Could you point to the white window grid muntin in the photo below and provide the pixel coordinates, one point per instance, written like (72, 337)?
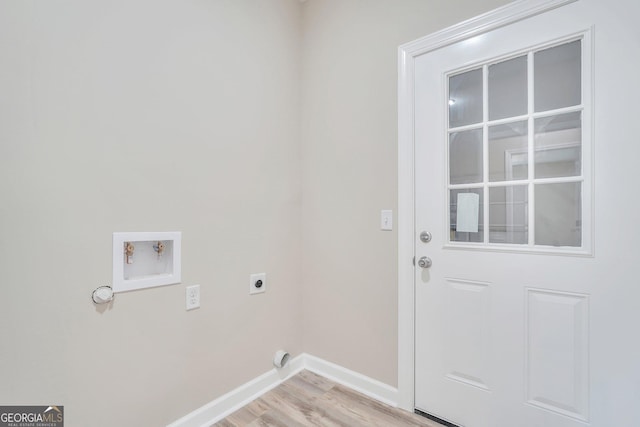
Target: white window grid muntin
(584, 178)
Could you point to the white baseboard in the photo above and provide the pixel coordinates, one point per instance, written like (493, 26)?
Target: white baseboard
(227, 404)
(361, 383)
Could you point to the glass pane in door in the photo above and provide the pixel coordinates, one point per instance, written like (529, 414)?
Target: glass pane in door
(508, 152)
(465, 157)
(557, 77)
(558, 146)
(508, 214)
(465, 98)
(466, 217)
(558, 214)
(508, 88)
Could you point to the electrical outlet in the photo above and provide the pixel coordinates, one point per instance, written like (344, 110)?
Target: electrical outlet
(257, 283)
(193, 297)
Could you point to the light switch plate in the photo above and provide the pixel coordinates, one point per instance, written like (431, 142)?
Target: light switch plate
(386, 220)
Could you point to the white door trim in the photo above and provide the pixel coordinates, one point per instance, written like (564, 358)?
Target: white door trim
(407, 54)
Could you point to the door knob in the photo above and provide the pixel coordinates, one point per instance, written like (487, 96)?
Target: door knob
(424, 262)
(425, 237)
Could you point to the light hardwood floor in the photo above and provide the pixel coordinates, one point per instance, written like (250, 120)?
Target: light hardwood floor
(308, 399)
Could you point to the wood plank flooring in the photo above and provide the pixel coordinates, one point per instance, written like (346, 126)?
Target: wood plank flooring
(308, 399)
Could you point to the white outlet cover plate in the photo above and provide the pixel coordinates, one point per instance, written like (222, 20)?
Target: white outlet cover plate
(252, 283)
(192, 294)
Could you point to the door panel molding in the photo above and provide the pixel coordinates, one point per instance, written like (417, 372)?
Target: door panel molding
(557, 382)
(470, 299)
(407, 55)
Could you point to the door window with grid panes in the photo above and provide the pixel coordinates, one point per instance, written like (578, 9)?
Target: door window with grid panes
(517, 175)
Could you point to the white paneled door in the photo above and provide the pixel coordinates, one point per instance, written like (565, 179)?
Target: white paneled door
(527, 294)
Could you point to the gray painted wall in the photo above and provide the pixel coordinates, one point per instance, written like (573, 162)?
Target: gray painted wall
(264, 131)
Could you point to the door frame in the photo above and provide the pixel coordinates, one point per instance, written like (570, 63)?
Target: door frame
(407, 54)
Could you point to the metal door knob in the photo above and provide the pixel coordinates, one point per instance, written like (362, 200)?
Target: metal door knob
(424, 262)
